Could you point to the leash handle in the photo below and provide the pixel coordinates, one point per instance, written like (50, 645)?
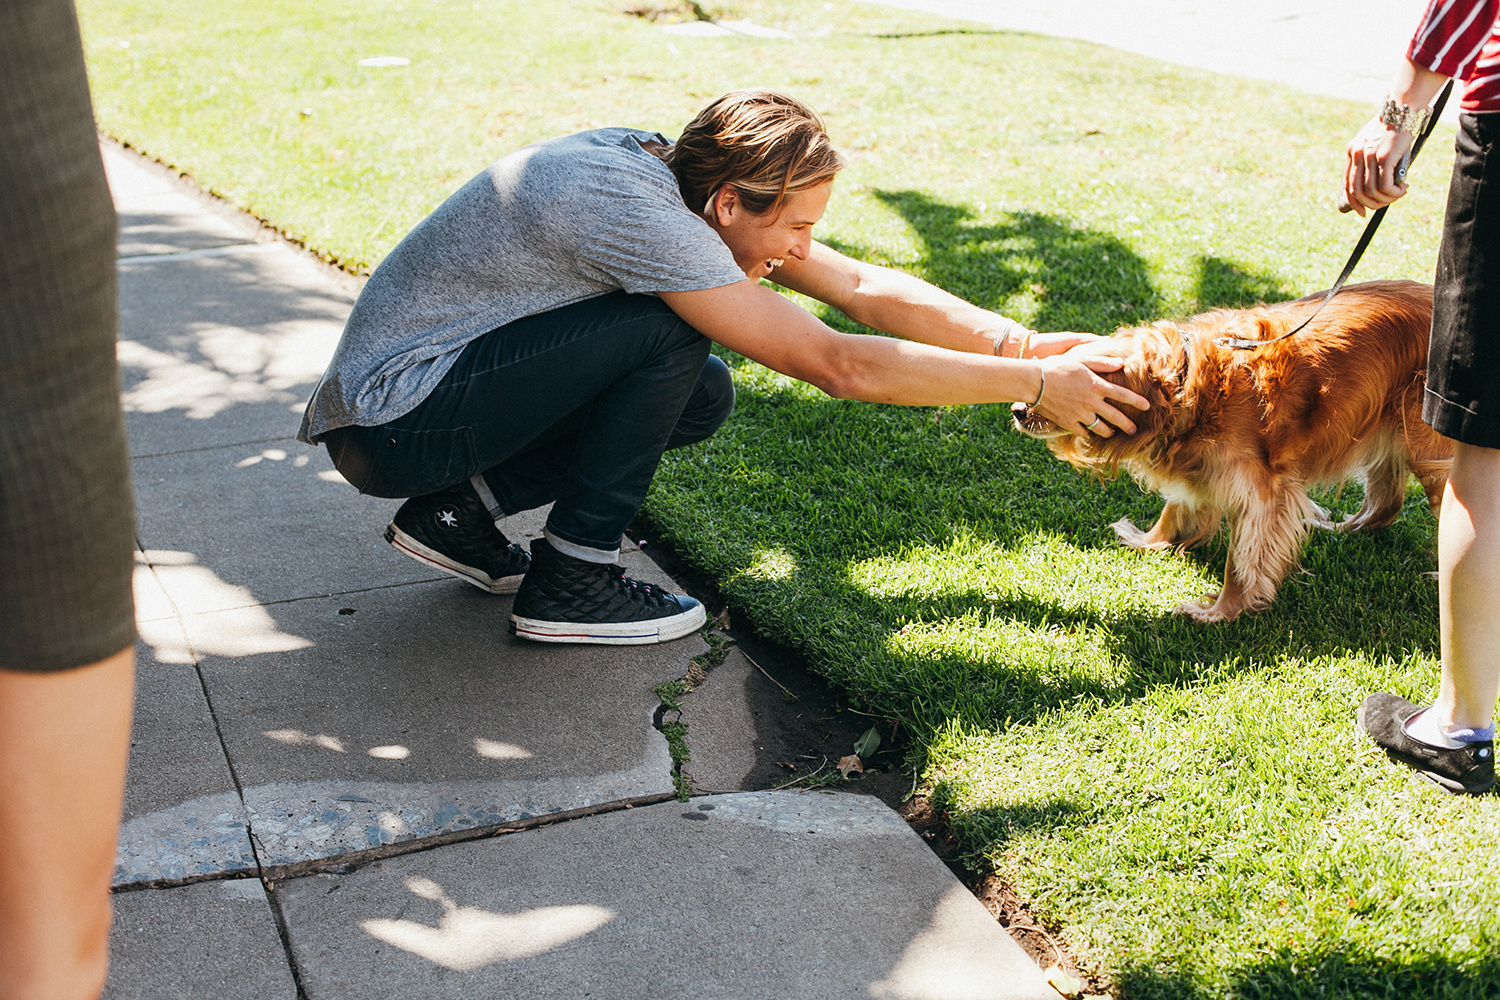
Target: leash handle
(1416, 146)
(1241, 344)
(1345, 208)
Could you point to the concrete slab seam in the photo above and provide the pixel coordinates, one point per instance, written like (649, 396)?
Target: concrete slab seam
(214, 447)
(419, 582)
(224, 827)
(344, 863)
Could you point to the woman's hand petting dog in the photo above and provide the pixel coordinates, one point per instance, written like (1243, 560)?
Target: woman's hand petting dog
(1075, 397)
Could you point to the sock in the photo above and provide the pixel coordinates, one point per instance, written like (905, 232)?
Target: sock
(487, 497)
(1424, 728)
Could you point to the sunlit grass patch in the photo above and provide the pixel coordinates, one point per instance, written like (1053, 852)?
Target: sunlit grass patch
(1270, 843)
(1102, 581)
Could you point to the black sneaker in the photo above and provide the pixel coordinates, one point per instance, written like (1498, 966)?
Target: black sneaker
(1468, 769)
(568, 600)
(452, 531)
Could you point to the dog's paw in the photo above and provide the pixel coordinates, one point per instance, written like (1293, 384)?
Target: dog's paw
(1132, 537)
(1206, 611)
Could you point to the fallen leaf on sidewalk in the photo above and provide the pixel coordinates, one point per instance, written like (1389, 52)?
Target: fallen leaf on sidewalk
(1062, 982)
(851, 763)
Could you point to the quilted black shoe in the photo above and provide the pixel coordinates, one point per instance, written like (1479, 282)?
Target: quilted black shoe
(452, 531)
(568, 600)
(1468, 769)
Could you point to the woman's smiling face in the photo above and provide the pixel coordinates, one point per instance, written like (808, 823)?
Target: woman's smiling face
(762, 243)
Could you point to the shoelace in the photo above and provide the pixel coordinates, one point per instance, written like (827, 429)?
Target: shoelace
(648, 592)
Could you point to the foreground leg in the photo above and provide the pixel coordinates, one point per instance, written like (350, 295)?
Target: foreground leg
(1453, 742)
(64, 738)
(1469, 589)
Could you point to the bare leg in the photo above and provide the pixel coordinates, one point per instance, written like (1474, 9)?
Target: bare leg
(1469, 589)
(64, 740)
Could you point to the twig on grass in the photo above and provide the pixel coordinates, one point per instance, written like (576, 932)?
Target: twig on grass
(1056, 951)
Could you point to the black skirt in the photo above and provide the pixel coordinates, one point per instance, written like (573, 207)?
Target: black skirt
(1463, 368)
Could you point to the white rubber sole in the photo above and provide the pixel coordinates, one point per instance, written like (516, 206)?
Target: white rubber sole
(614, 634)
(410, 547)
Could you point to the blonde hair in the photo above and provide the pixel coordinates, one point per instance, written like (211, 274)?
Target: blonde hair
(762, 143)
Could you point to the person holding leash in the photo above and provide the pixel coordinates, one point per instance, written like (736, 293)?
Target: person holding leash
(543, 337)
(1452, 742)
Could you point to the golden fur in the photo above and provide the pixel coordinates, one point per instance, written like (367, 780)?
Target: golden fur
(1245, 434)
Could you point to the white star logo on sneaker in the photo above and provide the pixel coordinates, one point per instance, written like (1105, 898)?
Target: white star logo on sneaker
(448, 517)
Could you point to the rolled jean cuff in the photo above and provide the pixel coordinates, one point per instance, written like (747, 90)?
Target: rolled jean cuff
(584, 552)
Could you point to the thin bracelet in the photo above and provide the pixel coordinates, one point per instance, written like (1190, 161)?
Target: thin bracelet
(1041, 388)
(1025, 339)
(1000, 340)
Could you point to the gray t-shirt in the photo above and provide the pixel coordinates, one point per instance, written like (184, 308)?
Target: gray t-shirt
(552, 224)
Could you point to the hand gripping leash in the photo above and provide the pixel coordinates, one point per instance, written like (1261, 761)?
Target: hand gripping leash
(1240, 344)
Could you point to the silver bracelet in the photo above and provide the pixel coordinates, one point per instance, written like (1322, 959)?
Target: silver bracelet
(1002, 337)
(1401, 117)
(1041, 388)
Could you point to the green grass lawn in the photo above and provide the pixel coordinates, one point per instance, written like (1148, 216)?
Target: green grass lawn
(1188, 803)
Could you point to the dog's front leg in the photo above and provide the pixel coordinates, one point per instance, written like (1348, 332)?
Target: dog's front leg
(1180, 526)
(1265, 542)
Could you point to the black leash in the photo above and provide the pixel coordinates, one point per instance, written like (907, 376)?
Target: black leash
(1240, 344)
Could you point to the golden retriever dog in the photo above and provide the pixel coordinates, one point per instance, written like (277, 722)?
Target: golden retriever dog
(1244, 434)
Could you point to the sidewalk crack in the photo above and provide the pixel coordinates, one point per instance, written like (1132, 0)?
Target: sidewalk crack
(234, 776)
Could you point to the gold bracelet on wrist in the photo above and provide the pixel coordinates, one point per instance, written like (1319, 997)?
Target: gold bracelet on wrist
(1025, 339)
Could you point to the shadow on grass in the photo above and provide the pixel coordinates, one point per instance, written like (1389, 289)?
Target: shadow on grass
(1076, 278)
(1223, 284)
(1332, 968)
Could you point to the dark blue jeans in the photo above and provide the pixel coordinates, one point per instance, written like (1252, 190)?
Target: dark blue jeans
(575, 405)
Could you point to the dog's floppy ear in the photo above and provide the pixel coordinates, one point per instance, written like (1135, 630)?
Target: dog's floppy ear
(1153, 370)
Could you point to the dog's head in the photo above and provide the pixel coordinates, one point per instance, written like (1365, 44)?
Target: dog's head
(1158, 360)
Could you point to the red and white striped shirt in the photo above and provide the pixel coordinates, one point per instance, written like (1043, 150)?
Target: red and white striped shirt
(1461, 39)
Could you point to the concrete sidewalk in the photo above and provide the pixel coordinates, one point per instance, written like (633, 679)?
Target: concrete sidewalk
(347, 780)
